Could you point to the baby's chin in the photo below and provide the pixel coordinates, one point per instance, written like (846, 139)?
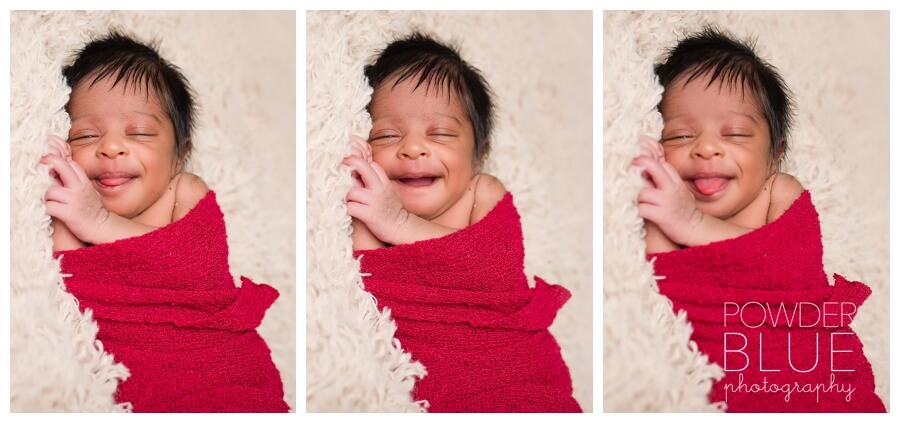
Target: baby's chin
(432, 204)
(719, 209)
(118, 209)
(423, 212)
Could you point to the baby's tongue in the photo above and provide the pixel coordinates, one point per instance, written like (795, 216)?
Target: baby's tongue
(708, 186)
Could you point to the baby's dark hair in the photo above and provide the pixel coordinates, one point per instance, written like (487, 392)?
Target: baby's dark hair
(438, 64)
(734, 61)
(131, 61)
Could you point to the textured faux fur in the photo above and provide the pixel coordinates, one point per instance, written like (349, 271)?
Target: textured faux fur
(242, 67)
(836, 64)
(539, 66)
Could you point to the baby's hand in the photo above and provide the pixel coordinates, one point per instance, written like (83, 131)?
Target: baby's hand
(666, 202)
(63, 238)
(58, 147)
(375, 202)
(360, 148)
(652, 149)
(73, 200)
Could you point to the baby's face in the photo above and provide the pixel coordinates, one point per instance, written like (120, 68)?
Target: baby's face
(718, 141)
(424, 141)
(125, 142)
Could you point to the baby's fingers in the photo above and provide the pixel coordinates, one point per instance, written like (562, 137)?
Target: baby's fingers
(651, 147)
(649, 196)
(652, 172)
(56, 151)
(358, 195)
(369, 177)
(57, 194)
(358, 144)
(670, 170)
(382, 176)
(651, 212)
(355, 150)
(647, 152)
(62, 167)
(662, 174)
(60, 145)
(79, 171)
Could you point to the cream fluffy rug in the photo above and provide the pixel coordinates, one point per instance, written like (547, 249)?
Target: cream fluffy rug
(836, 63)
(542, 153)
(242, 67)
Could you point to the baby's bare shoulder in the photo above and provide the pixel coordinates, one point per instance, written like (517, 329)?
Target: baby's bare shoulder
(488, 192)
(785, 187)
(785, 190)
(189, 190)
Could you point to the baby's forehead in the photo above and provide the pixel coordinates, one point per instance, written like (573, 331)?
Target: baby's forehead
(415, 89)
(141, 88)
(722, 85)
(414, 84)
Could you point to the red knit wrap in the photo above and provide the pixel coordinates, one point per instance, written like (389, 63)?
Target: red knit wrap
(168, 309)
(464, 310)
(768, 290)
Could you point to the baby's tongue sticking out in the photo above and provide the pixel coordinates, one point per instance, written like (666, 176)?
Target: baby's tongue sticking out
(709, 186)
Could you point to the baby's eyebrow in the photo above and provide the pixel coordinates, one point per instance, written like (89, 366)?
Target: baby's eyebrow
(744, 114)
(454, 117)
(152, 115)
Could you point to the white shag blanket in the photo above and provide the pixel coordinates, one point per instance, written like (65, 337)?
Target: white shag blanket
(836, 63)
(242, 67)
(539, 66)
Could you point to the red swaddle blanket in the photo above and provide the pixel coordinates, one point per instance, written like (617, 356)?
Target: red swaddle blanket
(762, 308)
(168, 309)
(464, 310)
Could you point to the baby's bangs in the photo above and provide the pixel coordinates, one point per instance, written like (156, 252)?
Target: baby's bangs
(133, 71)
(737, 72)
(435, 73)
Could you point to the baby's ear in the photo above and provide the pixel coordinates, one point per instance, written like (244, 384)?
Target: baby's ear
(183, 157)
(478, 163)
(480, 157)
(779, 154)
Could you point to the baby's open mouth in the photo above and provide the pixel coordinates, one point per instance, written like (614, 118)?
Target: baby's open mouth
(417, 181)
(709, 185)
(112, 180)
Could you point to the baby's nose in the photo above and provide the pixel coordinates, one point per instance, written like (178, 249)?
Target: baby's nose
(707, 147)
(413, 147)
(111, 147)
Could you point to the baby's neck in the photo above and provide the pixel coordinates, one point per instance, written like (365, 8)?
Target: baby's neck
(160, 213)
(459, 215)
(756, 214)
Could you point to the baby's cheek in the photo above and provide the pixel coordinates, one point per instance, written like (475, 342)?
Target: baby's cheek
(381, 159)
(379, 154)
(80, 158)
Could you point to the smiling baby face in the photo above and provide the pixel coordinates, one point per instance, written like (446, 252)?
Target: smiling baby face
(424, 140)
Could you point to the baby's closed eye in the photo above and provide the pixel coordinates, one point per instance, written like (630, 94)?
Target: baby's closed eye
(676, 139)
(142, 136)
(82, 138)
(383, 137)
(443, 135)
(737, 135)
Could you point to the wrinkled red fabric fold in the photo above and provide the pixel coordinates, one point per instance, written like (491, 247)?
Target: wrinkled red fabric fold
(761, 308)
(463, 309)
(168, 309)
